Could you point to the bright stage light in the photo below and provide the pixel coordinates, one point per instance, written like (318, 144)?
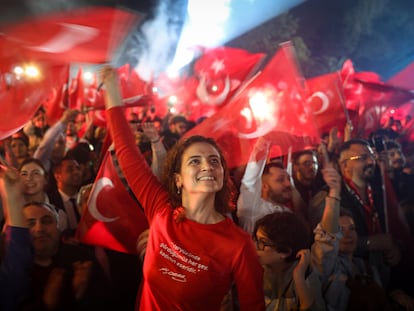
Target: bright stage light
(172, 100)
(31, 71)
(87, 76)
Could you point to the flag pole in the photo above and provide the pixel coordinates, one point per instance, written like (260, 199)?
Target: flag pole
(342, 99)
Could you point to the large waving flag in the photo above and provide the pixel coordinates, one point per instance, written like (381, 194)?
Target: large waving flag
(272, 101)
(25, 93)
(86, 35)
(367, 94)
(327, 101)
(113, 218)
(215, 77)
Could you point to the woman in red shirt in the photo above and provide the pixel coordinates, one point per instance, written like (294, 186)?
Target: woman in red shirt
(195, 253)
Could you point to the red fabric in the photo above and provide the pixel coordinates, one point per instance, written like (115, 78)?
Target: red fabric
(223, 61)
(188, 265)
(238, 124)
(130, 82)
(87, 35)
(404, 78)
(112, 218)
(77, 91)
(55, 105)
(325, 98)
(216, 76)
(367, 94)
(23, 97)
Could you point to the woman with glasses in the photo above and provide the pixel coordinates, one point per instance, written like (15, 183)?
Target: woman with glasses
(195, 253)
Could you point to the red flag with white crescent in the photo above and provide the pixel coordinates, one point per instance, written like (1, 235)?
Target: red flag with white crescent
(273, 101)
(113, 218)
(325, 98)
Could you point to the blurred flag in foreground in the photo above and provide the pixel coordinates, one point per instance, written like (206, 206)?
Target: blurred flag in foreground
(272, 101)
(113, 218)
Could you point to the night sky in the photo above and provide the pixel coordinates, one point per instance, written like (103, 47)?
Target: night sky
(377, 35)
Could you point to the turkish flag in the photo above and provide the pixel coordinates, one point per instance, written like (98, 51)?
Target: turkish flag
(221, 71)
(77, 91)
(86, 35)
(327, 101)
(113, 218)
(273, 101)
(226, 61)
(55, 104)
(367, 94)
(214, 78)
(131, 83)
(24, 95)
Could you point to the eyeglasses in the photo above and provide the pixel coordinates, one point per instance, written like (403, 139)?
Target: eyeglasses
(260, 245)
(362, 157)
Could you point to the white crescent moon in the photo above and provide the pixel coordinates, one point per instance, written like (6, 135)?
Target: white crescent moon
(262, 130)
(325, 102)
(206, 98)
(93, 210)
(70, 36)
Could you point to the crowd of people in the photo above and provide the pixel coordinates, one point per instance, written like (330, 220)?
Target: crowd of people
(334, 231)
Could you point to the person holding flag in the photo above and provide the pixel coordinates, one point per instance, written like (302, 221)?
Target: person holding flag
(195, 252)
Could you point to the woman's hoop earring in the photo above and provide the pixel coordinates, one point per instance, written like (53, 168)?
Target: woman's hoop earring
(178, 190)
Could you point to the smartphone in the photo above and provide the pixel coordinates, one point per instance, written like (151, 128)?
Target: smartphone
(379, 143)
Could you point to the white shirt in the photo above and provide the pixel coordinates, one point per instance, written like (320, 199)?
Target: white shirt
(250, 205)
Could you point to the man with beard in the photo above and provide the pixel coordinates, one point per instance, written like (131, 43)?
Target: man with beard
(401, 181)
(307, 179)
(363, 196)
(265, 188)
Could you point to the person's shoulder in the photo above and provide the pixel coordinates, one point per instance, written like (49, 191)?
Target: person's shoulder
(235, 232)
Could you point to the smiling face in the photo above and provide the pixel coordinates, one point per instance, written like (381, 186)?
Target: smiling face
(34, 178)
(276, 186)
(201, 170)
(358, 163)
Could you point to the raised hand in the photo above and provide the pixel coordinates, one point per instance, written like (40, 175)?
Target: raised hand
(302, 266)
(150, 132)
(11, 190)
(109, 78)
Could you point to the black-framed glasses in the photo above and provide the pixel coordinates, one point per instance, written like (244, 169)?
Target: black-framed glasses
(260, 245)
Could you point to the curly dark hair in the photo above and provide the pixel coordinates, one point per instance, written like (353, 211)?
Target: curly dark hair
(287, 231)
(172, 166)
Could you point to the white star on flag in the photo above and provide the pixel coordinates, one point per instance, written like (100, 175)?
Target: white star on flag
(218, 65)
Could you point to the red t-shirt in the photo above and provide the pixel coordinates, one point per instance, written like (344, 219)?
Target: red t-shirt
(188, 265)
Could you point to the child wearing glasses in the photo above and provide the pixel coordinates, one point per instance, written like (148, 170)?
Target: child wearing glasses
(283, 243)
